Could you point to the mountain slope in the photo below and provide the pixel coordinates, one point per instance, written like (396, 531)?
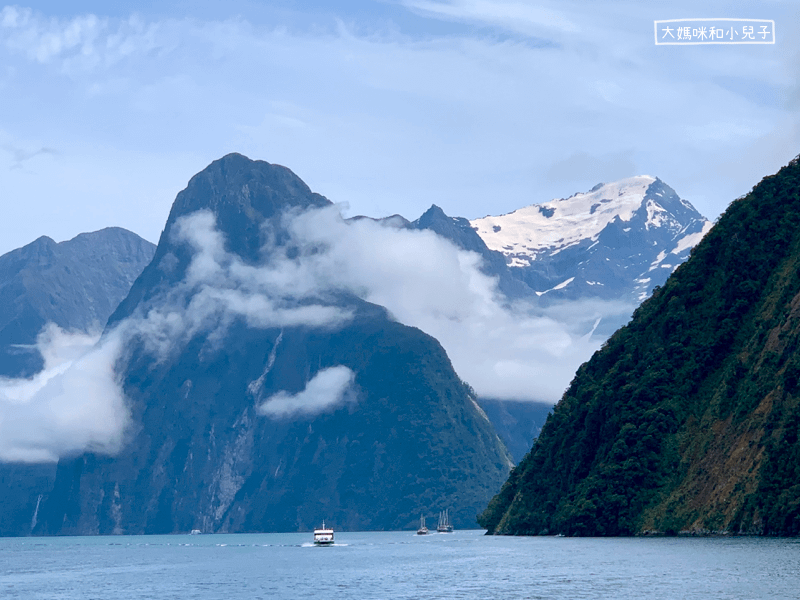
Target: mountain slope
(75, 284)
(231, 430)
(617, 241)
(687, 419)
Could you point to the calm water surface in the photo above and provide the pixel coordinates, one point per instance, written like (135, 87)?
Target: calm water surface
(463, 564)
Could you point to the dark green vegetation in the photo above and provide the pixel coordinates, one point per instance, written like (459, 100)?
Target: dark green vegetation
(411, 438)
(687, 420)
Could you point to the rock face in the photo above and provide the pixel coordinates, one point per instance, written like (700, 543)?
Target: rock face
(75, 284)
(688, 419)
(405, 435)
(616, 242)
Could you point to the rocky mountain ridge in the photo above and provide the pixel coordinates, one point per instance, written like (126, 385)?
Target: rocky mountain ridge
(75, 284)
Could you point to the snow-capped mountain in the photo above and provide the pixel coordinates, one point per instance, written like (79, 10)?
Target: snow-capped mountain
(617, 241)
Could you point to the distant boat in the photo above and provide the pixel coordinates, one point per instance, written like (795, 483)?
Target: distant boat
(195, 532)
(422, 529)
(323, 536)
(444, 525)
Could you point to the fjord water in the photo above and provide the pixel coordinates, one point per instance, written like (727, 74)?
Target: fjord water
(463, 564)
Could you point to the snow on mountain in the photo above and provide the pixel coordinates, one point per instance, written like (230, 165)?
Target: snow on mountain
(617, 241)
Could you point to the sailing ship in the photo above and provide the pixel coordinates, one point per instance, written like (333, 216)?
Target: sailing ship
(422, 529)
(444, 525)
(323, 536)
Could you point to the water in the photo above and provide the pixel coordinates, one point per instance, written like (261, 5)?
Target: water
(463, 564)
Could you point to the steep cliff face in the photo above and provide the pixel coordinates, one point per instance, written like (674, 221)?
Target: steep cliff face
(687, 420)
(295, 409)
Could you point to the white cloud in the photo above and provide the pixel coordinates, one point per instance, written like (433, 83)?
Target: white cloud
(476, 120)
(79, 43)
(218, 288)
(327, 389)
(522, 351)
(74, 404)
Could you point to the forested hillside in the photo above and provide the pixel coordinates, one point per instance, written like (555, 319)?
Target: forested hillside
(687, 420)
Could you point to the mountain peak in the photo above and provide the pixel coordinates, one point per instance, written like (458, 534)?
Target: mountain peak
(432, 215)
(254, 187)
(567, 246)
(565, 222)
(701, 388)
(41, 243)
(247, 198)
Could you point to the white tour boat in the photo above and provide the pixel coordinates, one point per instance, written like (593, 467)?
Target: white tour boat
(323, 536)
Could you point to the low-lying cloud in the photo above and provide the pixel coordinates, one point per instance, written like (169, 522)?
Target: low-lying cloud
(327, 389)
(219, 287)
(74, 404)
(513, 351)
(517, 351)
(520, 351)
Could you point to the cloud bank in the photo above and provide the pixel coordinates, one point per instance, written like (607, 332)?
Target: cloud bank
(74, 404)
(219, 287)
(519, 351)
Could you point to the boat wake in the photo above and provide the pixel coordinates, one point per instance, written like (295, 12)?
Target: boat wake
(312, 545)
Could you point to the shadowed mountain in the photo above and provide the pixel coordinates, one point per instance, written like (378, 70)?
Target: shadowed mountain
(459, 231)
(517, 422)
(293, 410)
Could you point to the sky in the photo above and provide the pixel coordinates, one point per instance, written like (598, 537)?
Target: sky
(386, 106)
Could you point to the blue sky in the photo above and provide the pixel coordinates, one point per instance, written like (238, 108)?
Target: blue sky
(107, 109)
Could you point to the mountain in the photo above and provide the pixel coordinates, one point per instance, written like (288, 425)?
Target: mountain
(688, 419)
(260, 402)
(616, 242)
(75, 284)
(459, 231)
(517, 422)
